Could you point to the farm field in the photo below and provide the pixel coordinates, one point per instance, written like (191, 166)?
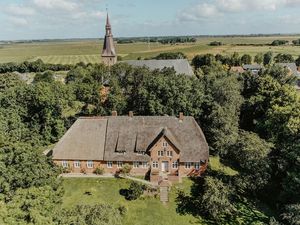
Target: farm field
(89, 51)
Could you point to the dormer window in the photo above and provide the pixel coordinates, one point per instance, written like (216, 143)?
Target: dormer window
(140, 153)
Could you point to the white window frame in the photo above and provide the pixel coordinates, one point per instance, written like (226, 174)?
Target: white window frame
(154, 164)
(65, 164)
(188, 165)
(170, 153)
(144, 164)
(136, 164)
(90, 164)
(175, 164)
(109, 164)
(119, 164)
(165, 144)
(77, 164)
(197, 165)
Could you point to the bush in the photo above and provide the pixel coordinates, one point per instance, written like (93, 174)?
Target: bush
(99, 171)
(125, 170)
(279, 42)
(135, 191)
(215, 43)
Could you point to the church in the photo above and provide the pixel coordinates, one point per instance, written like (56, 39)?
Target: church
(109, 57)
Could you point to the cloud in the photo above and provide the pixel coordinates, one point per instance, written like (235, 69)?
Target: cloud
(19, 10)
(217, 8)
(17, 21)
(66, 5)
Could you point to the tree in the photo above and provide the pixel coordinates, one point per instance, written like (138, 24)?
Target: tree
(292, 214)
(246, 59)
(284, 58)
(203, 60)
(44, 77)
(298, 61)
(258, 58)
(215, 199)
(279, 42)
(100, 214)
(235, 59)
(135, 190)
(170, 55)
(267, 59)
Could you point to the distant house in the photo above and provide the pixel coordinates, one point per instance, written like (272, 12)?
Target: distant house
(164, 147)
(291, 67)
(253, 68)
(237, 69)
(181, 66)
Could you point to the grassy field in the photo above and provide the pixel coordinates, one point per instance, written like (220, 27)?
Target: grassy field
(89, 51)
(148, 210)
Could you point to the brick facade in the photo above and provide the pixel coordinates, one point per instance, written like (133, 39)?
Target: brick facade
(164, 163)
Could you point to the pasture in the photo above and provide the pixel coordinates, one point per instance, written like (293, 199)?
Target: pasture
(89, 51)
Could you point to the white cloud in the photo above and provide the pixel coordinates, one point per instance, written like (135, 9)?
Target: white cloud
(19, 10)
(215, 8)
(18, 21)
(66, 5)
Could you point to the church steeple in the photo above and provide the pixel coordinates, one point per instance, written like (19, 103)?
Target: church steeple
(109, 55)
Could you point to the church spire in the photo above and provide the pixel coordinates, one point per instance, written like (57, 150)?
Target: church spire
(109, 56)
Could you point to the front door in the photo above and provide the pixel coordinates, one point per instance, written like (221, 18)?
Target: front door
(165, 166)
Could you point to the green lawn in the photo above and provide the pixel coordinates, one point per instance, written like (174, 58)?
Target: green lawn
(140, 212)
(89, 51)
(150, 210)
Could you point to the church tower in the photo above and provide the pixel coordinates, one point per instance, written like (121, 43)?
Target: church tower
(109, 55)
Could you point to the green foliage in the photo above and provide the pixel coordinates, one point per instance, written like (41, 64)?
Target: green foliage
(279, 42)
(298, 61)
(284, 58)
(203, 60)
(292, 214)
(267, 58)
(99, 214)
(170, 55)
(215, 199)
(126, 168)
(258, 58)
(215, 43)
(296, 42)
(246, 59)
(135, 191)
(35, 205)
(44, 77)
(99, 171)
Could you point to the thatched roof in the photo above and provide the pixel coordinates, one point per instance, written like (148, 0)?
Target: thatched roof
(181, 66)
(83, 141)
(126, 136)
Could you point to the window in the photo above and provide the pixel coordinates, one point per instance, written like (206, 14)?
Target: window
(109, 164)
(155, 164)
(188, 165)
(169, 153)
(165, 144)
(136, 164)
(140, 153)
(65, 164)
(90, 164)
(76, 164)
(144, 164)
(175, 165)
(119, 164)
(197, 165)
(160, 153)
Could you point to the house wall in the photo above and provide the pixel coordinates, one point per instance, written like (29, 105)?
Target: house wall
(155, 157)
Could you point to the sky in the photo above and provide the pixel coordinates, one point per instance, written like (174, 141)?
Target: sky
(58, 19)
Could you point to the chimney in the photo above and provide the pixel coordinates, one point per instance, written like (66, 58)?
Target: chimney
(130, 114)
(114, 113)
(181, 116)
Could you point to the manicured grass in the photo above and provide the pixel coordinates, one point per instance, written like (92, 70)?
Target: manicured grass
(215, 164)
(140, 212)
(89, 51)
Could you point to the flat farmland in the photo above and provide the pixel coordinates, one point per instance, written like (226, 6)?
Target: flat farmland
(89, 51)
